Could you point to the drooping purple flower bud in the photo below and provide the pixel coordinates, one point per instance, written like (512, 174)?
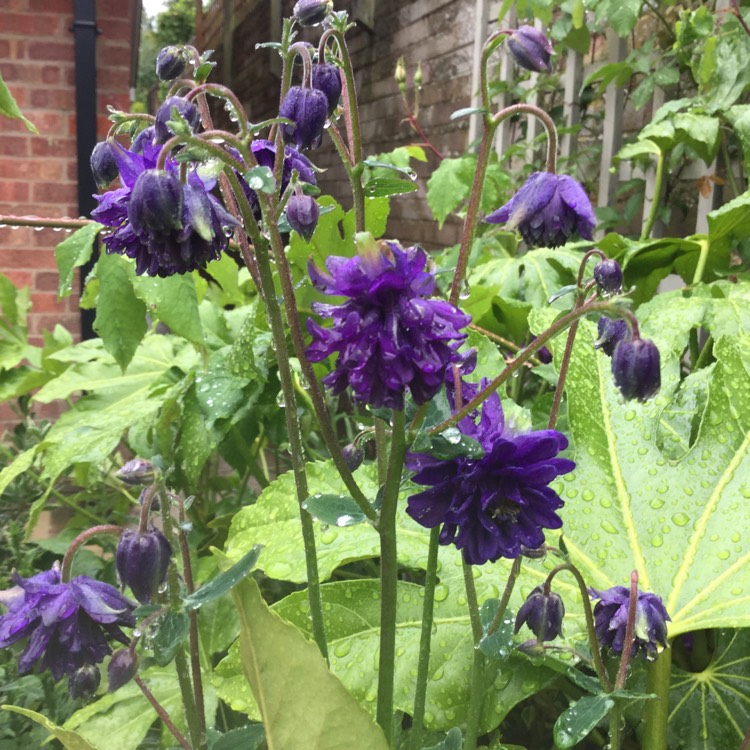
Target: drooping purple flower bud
(548, 210)
(103, 164)
(83, 683)
(302, 213)
(135, 472)
(353, 455)
(142, 560)
(170, 63)
(307, 109)
(531, 49)
(187, 110)
(636, 369)
(611, 333)
(312, 12)
(327, 78)
(156, 202)
(608, 276)
(123, 666)
(611, 619)
(543, 614)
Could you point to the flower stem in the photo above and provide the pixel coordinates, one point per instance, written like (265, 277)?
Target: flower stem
(476, 690)
(389, 575)
(82, 538)
(627, 647)
(161, 711)
(420, 691)
(8, 220)
(657, 711)
(502, 605)
(702, 258)
(658, 181)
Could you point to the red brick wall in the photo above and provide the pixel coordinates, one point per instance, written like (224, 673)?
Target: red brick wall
(38, 172)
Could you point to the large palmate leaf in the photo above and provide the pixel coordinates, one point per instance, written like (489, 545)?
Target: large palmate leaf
(711, 709)
(631, 505)
(70, 740)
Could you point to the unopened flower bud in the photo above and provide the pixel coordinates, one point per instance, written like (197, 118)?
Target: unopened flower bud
(123, 666)
(170, 63)
(608, 276)
(543, 614)
(353, 455)
(531, 49)
(400, 74)
(84, 682)
(307, 109)
(187, 110)
(531, 648)
(312, 12)
(103, 164)
(142, 560)
(302, 213)
(136, 472)
(636, 369)
(611, 333)
(327, 78)
(418, 76)
(156, 202)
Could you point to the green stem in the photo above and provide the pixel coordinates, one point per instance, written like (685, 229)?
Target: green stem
(702, 258)
(502, 605)
(657, 710)
(9, 220)
(389, 575)
(476, 690)
(82, 538)
(658, 181)
(163, 715)
(615, 719)
(420, 691)
(706, 351)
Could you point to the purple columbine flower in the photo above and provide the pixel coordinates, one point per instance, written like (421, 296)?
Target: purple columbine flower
(302, 213)
(103, 164)
(308, 110)
(636, 369)
(68, 624)
(611, 619)
(142, 561)
(497, 505)
(543, 614)
(167, 226)
(170, 63)
(611, 333)
(389, 335)
(531, 49)
(608, 276)
(547, 211)
(327, 78)
(187, 110)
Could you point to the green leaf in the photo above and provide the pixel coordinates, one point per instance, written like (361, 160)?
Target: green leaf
(739, 116)
(379, 187)
(224, 582)
(120, 315)
(576, 722)
(729, 224)
(449, 186)
(453, 741)
(284, 669)
(73, 252)
(711, 709)
(246, 738)
(261, 179)
(69, 739)
(172, 300)
(21, 463)
(172, 632)
(338, 510)
(621, 14)
(9, 108)
(500, 644)
(628, 506)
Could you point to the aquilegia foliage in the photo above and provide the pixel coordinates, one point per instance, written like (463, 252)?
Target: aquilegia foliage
(493, 506)
(68, 624)
(389, 336)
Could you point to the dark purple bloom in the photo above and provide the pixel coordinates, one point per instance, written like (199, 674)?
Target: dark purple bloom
(389, 335)
(327, 78)
(611, 619)
(170, 63)
(353, 455)
(136, 471)
(142, 561)
(547, 211)
(122, 667)
(611, 333)
(302, 213)
(84, 682)
(543, 614)
(497, 505)
(168, 227)
(531, 49)
(608, 276)
(311, 12)
(103, 164)
(636, 369)
(68, 624)
(307, 109)
(187, 110)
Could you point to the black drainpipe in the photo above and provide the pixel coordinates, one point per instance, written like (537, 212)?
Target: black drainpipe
(85, 31)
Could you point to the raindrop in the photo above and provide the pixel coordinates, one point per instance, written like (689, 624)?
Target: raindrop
(681, 519)
(441, 592)
(609, 527)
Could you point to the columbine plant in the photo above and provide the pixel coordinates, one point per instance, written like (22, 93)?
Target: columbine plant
(391, 351)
